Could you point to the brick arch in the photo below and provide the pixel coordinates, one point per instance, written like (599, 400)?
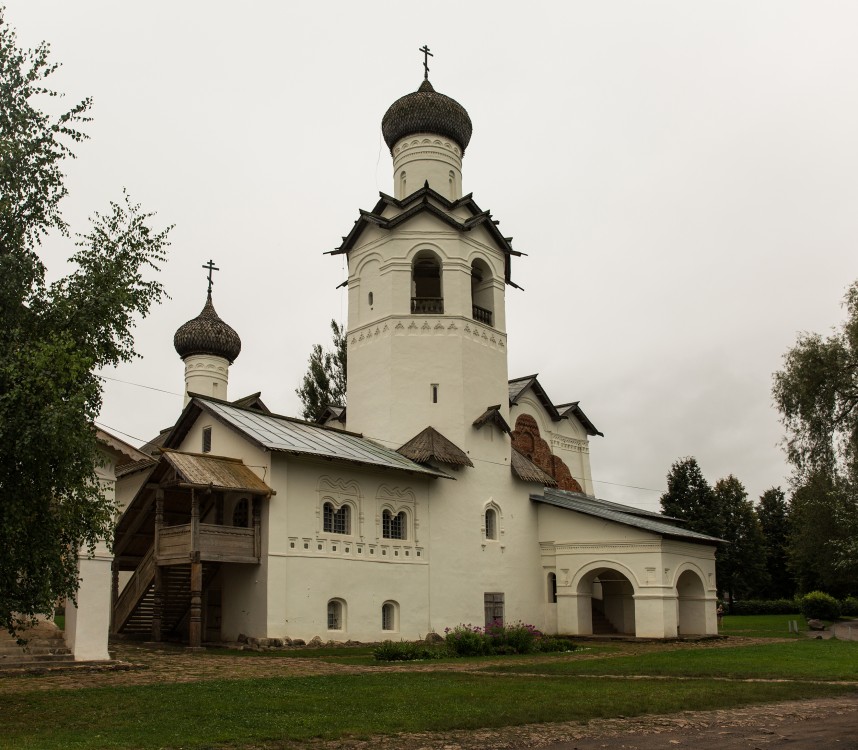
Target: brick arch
(527, 441)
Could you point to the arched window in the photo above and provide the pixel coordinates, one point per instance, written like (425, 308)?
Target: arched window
(336, 614)
(491, 523)
(390, 616)
(241, 513)
(337, 521)
(552, 588)
(394, 526)
(481, 292)
(426, 294)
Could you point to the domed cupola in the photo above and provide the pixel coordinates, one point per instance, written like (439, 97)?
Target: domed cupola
(208, 346)
(207, 334)
(426, 111)
(427, 134)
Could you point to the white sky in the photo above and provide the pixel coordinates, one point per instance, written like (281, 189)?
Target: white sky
(682, 175)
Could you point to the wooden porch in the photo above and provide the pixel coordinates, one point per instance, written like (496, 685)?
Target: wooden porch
(175, 536)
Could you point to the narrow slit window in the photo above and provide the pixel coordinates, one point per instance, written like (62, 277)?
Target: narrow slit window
(434, 391)
(207, 440)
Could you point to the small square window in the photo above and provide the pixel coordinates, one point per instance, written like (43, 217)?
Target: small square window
(396, 553)
(320, 546)
(407, 553)
(334, 548)
(306, 546)
(292, 545)
(384, 552)
(347, 549)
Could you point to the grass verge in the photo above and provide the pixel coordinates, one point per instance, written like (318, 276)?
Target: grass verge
(800, 660)
(762, 626)
(239, 713)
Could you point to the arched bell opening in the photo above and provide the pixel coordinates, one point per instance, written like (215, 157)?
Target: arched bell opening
(427, 295)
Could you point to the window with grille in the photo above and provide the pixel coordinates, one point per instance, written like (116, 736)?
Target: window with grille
(241, 513)
(491, 523)
(335, 615)
(337, 521)
(394, 527)
(493, 604)
(388, 616)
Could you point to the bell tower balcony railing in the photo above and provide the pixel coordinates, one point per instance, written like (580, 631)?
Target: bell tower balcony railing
(427, 305)
(481, 315)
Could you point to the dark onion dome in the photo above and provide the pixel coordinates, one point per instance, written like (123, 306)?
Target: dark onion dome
(207, 334)
(426, 111)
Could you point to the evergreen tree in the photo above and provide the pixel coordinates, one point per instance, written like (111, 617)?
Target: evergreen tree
(740, 564)
(324, 383)
(53, 339)
(773, 514)
(690, 498)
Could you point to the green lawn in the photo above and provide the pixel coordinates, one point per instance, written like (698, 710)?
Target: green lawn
(233, 714)
(805, 659)
(762, 626)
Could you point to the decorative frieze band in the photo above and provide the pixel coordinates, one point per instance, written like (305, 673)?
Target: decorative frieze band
(423, 326)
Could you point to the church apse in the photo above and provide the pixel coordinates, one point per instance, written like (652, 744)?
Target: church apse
(527, 440)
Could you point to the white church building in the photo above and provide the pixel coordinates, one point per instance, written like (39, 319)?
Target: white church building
(444, 492)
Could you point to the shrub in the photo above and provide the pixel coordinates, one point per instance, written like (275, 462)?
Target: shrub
(547, 644)
(849, 606)
(765, 607)
(466, 640)
(818, 605)
(497, 638)
(406, 651)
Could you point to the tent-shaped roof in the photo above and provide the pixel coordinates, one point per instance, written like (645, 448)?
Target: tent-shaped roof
(622, 514)
(431, 445)
(528, 471)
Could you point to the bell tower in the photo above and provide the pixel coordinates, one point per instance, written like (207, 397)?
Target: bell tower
(428, 270)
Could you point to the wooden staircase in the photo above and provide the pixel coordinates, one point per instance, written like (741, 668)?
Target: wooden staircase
(135, 609)
(46, 646)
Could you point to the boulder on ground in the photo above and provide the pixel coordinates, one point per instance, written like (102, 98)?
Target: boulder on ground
(276, 642)
(315, 641)
(242, 638)
(433, 637)
(299, 642)
(816, 624)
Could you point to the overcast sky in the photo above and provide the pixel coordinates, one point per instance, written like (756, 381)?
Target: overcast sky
(683, 177)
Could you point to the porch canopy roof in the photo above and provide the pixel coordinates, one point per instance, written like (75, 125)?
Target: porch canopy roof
(177, 473)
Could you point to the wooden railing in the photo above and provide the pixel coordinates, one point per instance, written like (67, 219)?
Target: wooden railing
(427, 305)
(137, 586)
(214, 543)
(481, 315)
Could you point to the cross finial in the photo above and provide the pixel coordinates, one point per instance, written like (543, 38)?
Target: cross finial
(211, 266)
(426, 55)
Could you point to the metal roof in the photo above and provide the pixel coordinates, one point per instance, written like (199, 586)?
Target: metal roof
(299, 438)
(610, 512)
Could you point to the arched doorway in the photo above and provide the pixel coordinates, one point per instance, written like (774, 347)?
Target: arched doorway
(691, 604)
(611, 603)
